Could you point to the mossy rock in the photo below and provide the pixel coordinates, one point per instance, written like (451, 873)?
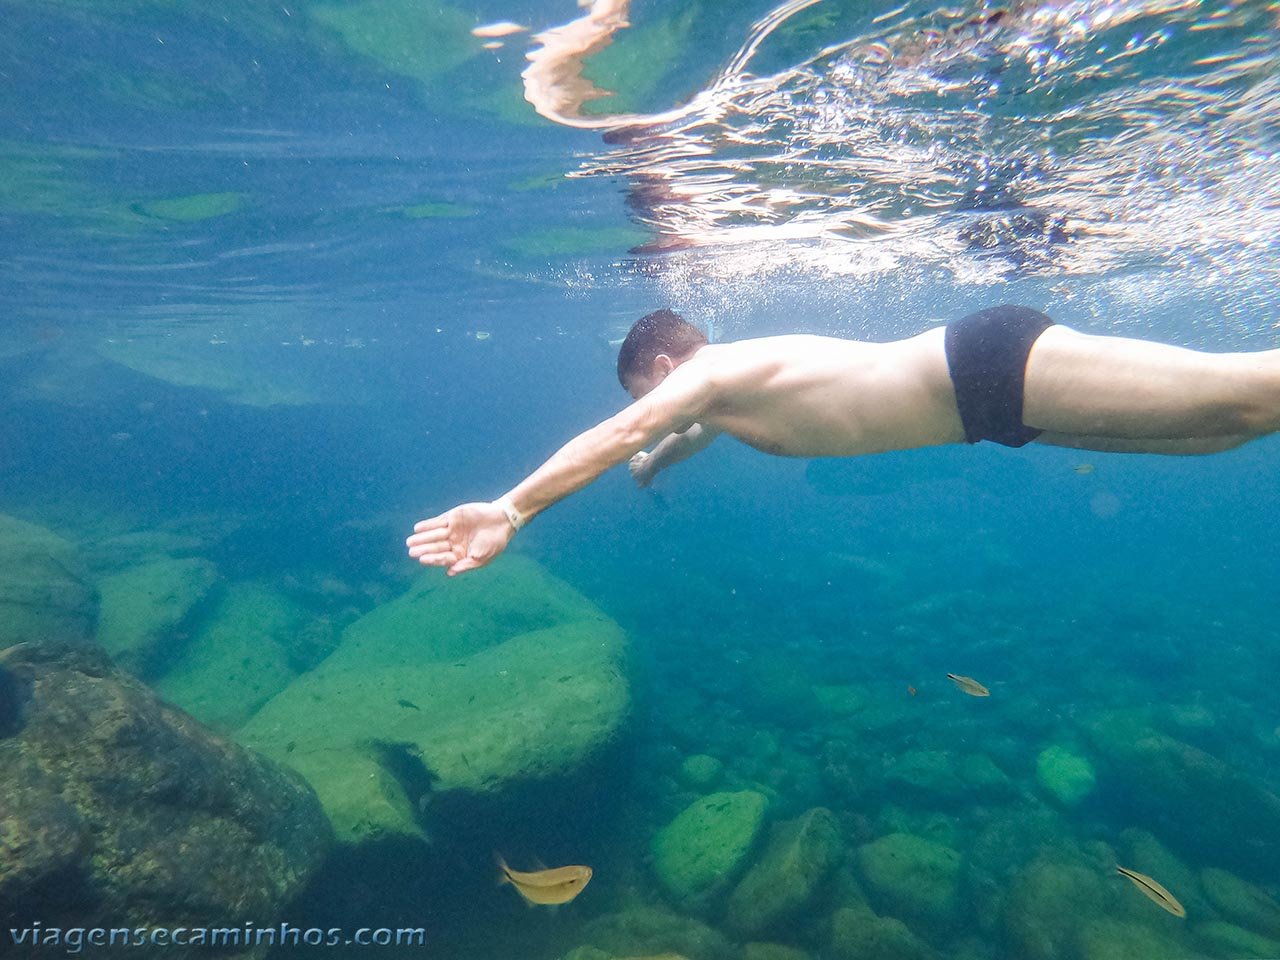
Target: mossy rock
(1045, 904)
(772, 951)
(911, 878)
(449, 700)
(1066, 776)
(858, 934)
(1241, 902)
(700, 770)
(1106, 938)
(194, 208)
(143, 608)
(45, 590)
(706, 847)
(640, 931)
(1229, 942)
(237, 658)
(796, 863)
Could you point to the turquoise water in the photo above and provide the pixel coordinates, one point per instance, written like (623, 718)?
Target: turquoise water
(280, 280)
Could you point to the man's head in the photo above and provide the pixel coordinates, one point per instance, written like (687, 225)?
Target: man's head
(657, 344)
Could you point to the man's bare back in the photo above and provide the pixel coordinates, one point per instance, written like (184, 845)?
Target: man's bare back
(813, 396)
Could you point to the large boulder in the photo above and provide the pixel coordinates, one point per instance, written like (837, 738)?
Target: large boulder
(45, 589)
(1191, 799)
(1065, 775)
(1241, 902)
(912, 878)
(858, 934)
(459, 702)
(707, 846)
(237, 657)
(120, 811)
(144, 606)
(796, 862)
(640, 931)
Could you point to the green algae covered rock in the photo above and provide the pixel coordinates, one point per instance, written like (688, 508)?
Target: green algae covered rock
(858, 934)
(1107, 938)
(772, 951)
(237, 659)
(704, 849)
(192, 209)
(1065, 776)
(700, 770)
(796, 862)
(1045, 905)
(1226, 940)
(143, 607)
(911, 878)
(120, 811)
(443, 703)
(646, 931)
(45, 591)
(1241, 902)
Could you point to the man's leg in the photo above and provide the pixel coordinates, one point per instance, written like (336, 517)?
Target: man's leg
(1184, 448)
(1088, 386)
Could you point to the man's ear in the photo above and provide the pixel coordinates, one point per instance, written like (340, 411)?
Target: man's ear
(662, 365)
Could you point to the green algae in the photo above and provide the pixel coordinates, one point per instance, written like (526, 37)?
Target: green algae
(193, 208)
(437, 210)
(1064, 775)
(420, 41)
(576, 241)
(633, 66)
(706, 846)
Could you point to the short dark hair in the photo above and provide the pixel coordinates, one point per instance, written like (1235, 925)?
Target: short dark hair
(663, 331)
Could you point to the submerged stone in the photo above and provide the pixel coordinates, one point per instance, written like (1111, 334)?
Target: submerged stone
(1065, 775)
(648, 931)
(193, 208)
(911, 878)
(45, 590)
(1221, 939)
(700, 770)
(144, 606)
(451, 703)
(1242, 902)
(706, 847)
(121, 811)
(858, 934)
(796, 862)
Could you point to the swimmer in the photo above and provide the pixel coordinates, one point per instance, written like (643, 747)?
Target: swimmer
(1007, 374)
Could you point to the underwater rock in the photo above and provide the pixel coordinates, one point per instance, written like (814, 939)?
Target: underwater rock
(797, 860)
(237, 658)
(858, 934)
(640, 930)
(45, 591)
(463, 704)
(1192, 800)
(1229, 941)
(1064, 775)
(1106, 938)
(144, 607)
(120, 811)
(1045, 904)
(700, 770)
(1242, 902)
(706, 847)
(911, 878)
(772, 951)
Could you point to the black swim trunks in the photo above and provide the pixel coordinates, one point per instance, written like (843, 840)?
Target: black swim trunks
(987, 355)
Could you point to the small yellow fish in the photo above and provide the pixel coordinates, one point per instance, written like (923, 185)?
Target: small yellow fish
(1154, 891)
(546, 887)
(969, 685)
(1084, 469)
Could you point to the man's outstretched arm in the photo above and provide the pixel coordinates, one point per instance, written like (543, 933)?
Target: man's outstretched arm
(670, 451)
(470, 535)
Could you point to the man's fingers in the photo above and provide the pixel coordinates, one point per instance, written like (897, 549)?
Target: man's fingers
(426, 549)
(435, 523)
(465, 564)
(438, 559)
(440, 535)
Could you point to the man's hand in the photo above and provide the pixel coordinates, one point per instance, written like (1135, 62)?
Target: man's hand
(642, 469)
(465, 538)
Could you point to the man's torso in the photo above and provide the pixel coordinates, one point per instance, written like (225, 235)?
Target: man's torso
(810, 396)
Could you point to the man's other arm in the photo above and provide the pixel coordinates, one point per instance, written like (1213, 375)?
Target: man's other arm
(670, 451)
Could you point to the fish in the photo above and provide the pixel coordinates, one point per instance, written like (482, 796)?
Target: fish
(1084, 469)
(911, 690)
(1154, 891)
(409, 705)
(503, 28)
(546, 887)
(969, 685)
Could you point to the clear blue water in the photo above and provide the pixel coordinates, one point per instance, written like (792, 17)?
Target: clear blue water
(288, 278)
